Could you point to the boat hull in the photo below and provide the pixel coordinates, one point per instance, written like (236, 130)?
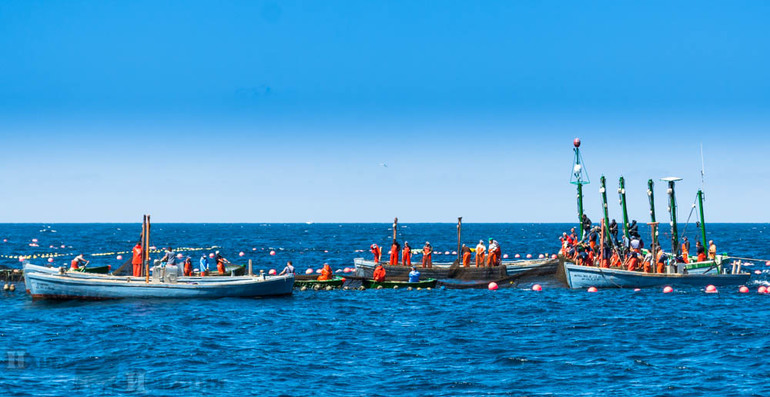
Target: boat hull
(443, 271)
(430, 283)
(312, 282)
(55, 286)
(579, 277)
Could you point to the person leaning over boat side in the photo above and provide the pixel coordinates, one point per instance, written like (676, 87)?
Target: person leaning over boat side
(377, 252)
(168, 258)
(712, 250)
(289, 269)
(188, 268)
(480, 253)
(685, 250)
(466, 254)
(326, 273)
(700, 251)
(379, 273)
(395, 250)
(593, 236)
(136, 260)
(633, 261)
(427, 255)
(661, 263)
(75, 264)
(221, 263)
(414, 275)
(204, 265)
(406, 256)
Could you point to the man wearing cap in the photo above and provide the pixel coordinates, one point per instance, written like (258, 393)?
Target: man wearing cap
(427, 255)
(221, 262)
(406, 256)
(480, 253)
(414, 275)
(377, 253)
(494, 253)
(204, 265)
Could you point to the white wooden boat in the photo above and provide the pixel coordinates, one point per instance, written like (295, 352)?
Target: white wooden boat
(49, 285)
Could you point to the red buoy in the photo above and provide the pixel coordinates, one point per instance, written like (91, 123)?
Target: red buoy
(667, 289)
(537, 287)
(577, 142)
(492, 286)
(592, 289)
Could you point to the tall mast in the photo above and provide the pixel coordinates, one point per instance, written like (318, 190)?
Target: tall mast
(459, 238)
(579, 177)
(672, 210)
(622, 193)
(651, 195)
(702, 220)
(605, 224)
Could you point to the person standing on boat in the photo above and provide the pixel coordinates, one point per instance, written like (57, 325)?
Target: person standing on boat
(75, 264)
(168, 259)
(573, 237)
(466, 253)
(494, 255)
(614, 231)
(427, 255)
(414, 275)
(593, 236)
(289, 269)
(633, 261)
(221, 264)
(685, 250)
(379, 273)
(586, 226)
(661, 262)
(204, 265)
(188, 268)
(395, 251)
(377, 253)
(137, 260)
(480, 253)
(326, 273)
(700, 251)
(406, 256)
(712, 250)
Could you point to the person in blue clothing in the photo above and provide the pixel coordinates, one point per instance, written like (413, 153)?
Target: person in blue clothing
(204, 265)
(414, 275)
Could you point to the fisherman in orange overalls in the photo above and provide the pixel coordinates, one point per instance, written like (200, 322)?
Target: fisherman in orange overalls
(136, 261)
(221, 261)
(377, 252)
(480, 253)
(395, 250)
(406, 257)
(466, 252)
(326, 273)
(188, 270)
(633, 261)
(427, 255)
(685, 250)
(379, 273)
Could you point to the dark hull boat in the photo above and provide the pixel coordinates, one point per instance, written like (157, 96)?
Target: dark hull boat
(444, 271)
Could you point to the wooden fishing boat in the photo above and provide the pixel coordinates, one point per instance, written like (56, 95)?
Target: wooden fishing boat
(65, 286)
(579, 277)
(312, 281)
(441, 271)
(371, 284)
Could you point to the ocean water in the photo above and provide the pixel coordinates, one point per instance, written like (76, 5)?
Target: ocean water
(512, 341)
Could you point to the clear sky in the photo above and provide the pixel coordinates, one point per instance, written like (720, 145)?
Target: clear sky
(273, 111)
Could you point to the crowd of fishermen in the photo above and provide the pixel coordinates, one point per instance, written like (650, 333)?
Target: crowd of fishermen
(485, 256)
(589, 250)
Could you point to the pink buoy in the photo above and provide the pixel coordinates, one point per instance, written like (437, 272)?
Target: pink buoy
(21, 259)
(272, 272)
(541, 256)
(346, 270)
(34, 240)
(63, 246)
(576, 142)
(338, 271)
(537, 287)
(762, 289)
(344, 279)
(637, 289)
(757, 272)
(554, 256)
(119, 257)
(254, 249)
(454, 252)
(272, 253)
(5, 240)
(241, 253)
(50, 260)
(710, 289)
(309, 271)
(529, 256)
(153, 247)
(447, 253)
(517, 256)
(505, 256)
(179, 256)
(744, 289)
(767, 263)
(492, 286)
(592, 289)
(211, 255)
(667, 289)
(318, 271)
(326, 251)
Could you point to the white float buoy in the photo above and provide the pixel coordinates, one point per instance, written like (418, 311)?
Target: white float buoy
(537, 287)
(119, 257)
(272, 272)
(50, 260)
(667, 289)
(505, 256)
(517, 256)
(272, 253)
(529, 256)
(241, 253)
(592, 289)
(710, 289)
(492, 286)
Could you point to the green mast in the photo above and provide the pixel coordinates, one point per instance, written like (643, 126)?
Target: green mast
(603, 191)
(672, 210)
(579, 177)
(622, 193)
(702, 220)
(651, 195)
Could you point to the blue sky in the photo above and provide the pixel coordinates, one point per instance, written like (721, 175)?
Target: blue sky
(265, 111)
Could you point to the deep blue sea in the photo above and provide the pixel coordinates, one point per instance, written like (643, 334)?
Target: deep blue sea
(512, 341)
